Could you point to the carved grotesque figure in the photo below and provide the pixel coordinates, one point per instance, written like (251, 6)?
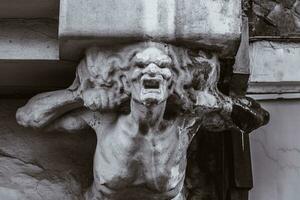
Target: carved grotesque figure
(145, 102)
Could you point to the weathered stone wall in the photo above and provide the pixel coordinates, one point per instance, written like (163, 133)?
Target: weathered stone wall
(275, 18)
(35, 165)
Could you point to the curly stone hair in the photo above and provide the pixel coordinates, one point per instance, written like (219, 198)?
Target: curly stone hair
(107, 70)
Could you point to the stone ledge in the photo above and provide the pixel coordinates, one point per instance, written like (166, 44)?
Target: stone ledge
(33, 39)
(275, 96)
(273, 87)
(215, 25)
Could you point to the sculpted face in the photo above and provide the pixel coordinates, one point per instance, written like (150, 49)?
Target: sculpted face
(151, 76)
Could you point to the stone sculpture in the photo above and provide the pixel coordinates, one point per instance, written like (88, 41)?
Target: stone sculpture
(145, 101)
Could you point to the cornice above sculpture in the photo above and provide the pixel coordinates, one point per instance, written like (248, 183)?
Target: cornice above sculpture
(146, 102)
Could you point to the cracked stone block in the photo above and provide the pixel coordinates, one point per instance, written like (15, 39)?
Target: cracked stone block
(274, 67)
(210, 24)
(275, 18)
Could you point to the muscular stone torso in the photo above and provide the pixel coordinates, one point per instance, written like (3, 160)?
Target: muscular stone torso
(131, 164)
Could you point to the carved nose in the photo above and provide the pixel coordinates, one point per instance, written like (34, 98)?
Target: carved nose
(105, 76)
(152, 69)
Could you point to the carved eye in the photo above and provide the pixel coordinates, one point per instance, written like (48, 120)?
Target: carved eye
(163, 65)
(140, 65)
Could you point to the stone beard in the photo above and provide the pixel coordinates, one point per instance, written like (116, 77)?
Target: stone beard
(145, 102)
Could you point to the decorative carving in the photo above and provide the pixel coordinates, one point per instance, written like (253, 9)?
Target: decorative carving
(145, 102)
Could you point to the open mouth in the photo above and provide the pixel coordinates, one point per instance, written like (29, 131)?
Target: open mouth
(151, 83)
(152, 89)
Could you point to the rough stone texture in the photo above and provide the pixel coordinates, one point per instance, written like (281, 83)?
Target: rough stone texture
(35, 165)
(29, 9)
(275, 151)
(213, 24)
(274, 67)
(28, 39)
(276, 18)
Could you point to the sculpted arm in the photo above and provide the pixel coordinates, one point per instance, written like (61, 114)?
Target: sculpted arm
(226, 112)
(73, 121)
(96, 86)
(216, 111)
(44, 108)
(82, 119)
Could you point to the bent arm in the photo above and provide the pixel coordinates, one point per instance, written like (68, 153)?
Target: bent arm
(44, 108)
(213, 111)
(247, 114)
(70, 122)
(223, 112)
(82, 119)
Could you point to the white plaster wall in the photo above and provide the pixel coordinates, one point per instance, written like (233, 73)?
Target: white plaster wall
(275, 150)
